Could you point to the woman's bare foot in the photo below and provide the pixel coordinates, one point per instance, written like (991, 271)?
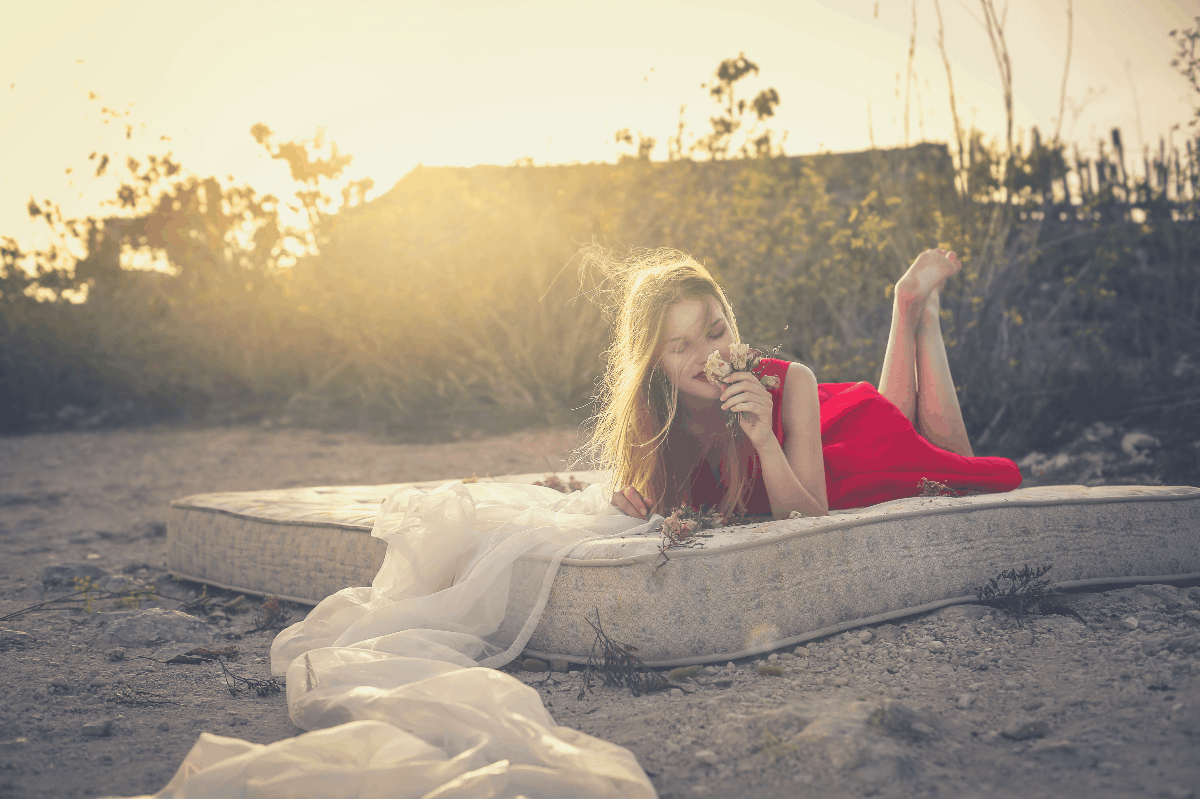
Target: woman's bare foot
(926, 276)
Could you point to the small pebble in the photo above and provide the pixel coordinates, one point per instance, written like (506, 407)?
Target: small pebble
(965, 701)
(1012, 685)
(866, 636)
(1024, 729)
(773, 657)
(1032, 705)
(683, 673)
(164, 726)
(236, 721)
(97, 728)
(94, 673)
(60, 682)
(115, 654)
(936, 647)
(675, 692)
(1129, 623)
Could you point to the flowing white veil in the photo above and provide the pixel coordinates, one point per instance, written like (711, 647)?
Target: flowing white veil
(396, 681)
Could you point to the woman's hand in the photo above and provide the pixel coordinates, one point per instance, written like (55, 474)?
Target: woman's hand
(744, 394)
(630, 502)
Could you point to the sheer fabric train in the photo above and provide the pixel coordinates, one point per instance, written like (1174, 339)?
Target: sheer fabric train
(396, 681)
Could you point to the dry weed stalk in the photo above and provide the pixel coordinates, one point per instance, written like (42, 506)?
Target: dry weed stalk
(136, 697)
(260, 687)
(272, 615)
(86, 592)
(206, 654)
(619, 666)
(1024, 589)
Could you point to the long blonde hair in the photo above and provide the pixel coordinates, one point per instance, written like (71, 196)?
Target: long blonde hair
(636, 403)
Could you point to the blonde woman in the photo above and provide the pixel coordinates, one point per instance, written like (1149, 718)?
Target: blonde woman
(807, 447)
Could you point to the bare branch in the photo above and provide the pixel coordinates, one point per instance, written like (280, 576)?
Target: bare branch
(1062, 98)
(958, 131)
(995, 29)
(908, 77)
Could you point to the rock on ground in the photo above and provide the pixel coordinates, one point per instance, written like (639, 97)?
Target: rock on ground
(135, 628)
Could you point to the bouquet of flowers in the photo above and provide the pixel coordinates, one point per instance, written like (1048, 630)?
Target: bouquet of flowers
(743, 358)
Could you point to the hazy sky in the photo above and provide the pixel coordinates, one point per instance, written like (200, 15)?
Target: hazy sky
(401, 83)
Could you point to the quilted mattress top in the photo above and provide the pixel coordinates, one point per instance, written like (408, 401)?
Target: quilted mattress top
(355, 507)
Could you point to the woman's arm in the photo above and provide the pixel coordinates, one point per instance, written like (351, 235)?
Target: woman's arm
(795, 473)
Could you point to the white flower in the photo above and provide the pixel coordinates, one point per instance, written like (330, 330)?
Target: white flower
(738, 355)
(770, 381)
(715, 369)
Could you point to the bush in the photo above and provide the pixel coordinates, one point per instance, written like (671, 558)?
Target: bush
(451, 300)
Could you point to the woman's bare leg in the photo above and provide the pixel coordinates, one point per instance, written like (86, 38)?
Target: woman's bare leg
(916, 374)
(898, 380)
(939, 417)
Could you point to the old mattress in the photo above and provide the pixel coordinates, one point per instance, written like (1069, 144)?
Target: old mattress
(744, 590)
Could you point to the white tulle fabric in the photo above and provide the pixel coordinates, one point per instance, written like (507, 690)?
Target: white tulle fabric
(396, 682)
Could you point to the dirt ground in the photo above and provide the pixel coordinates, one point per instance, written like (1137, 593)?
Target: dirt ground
(1103, 700)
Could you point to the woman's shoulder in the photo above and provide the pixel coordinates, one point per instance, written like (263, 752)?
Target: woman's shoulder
(787, 370)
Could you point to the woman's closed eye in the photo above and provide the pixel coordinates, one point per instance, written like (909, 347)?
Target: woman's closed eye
(683, 348)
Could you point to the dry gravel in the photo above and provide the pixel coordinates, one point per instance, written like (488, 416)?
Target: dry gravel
(959, 702)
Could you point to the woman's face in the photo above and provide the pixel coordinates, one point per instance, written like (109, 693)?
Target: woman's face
(694, 327)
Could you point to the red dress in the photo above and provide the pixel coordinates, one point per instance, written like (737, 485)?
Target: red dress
(872, 453)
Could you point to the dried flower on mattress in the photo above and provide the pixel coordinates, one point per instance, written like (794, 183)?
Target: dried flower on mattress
(932, 488)
(742, 358)
(684, 528)
(555, 482)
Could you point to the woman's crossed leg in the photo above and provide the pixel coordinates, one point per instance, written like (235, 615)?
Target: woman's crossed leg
(916, 373)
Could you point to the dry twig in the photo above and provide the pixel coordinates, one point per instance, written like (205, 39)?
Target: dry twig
(619, 665)
(260, 687)
(273, 615)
